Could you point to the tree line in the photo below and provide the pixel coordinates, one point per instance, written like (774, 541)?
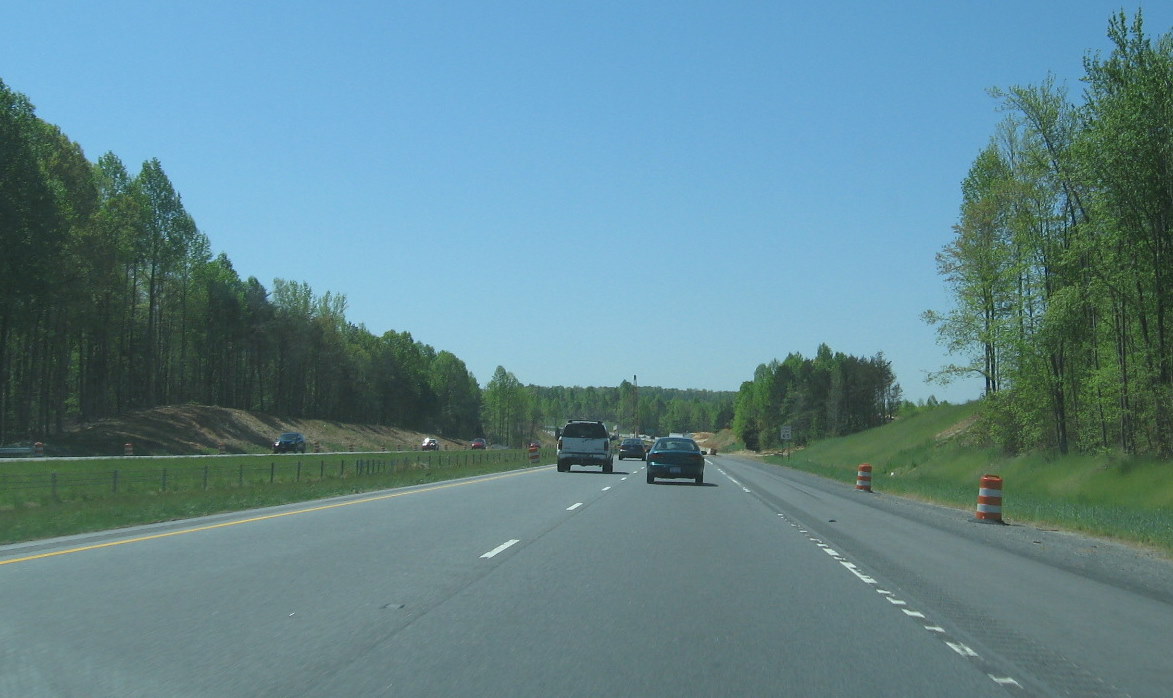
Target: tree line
(1061, 264)
(832, 394)
(515, 413)
(112, 301)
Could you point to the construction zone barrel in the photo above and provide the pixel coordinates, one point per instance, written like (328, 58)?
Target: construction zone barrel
(863, 478)
(989, 504)
(533, 453)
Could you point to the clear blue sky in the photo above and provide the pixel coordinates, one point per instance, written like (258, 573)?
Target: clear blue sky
(545, 185)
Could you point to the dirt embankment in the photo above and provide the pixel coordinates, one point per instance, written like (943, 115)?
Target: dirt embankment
(719, 442)
(196, 429)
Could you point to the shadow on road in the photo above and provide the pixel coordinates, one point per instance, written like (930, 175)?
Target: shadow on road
(597, 472)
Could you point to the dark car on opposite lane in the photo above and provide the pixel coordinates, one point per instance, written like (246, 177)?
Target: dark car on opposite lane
(289, 442)
(676, 457)
(632, 448)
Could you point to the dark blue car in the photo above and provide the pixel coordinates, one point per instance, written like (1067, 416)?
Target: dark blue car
(289, 442)
(631, 448)
(676, 457)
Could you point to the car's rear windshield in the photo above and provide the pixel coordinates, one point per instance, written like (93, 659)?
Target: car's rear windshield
(585, 430)
(632, 442)
(677, 445)
(290, 436)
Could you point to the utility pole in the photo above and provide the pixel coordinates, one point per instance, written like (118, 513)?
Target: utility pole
(635, 403)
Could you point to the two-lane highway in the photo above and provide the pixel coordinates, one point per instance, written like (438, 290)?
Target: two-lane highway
(537, 583)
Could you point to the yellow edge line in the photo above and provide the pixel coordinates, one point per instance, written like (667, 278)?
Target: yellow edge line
(323, 507)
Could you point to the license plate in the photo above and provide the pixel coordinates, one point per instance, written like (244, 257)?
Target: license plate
(675, 470)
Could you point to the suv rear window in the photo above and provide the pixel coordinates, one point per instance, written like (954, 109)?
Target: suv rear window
(585, 430)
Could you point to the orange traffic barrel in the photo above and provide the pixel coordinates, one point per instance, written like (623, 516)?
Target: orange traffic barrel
(989, 504)
(863, 478)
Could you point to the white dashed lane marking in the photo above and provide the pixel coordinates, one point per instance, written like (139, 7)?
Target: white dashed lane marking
(958, 647)
(500, 548)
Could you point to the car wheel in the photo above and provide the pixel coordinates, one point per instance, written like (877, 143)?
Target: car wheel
(608, 468)
(651, 478)
(562, 467)
(700, 479)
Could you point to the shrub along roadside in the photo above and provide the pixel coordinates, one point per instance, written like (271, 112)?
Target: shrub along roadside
(44, 499)
(924, 457)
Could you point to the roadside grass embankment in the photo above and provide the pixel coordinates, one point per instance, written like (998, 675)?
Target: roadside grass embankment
(46, 498)
(925, 456)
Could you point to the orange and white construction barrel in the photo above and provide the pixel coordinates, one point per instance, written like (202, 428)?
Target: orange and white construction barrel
(989, 504)
(863, 478)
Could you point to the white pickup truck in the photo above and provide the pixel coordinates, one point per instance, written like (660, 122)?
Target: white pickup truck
(583, 442)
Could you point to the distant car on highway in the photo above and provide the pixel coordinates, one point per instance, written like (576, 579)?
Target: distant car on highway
(479, 444)
(676, 457)
(632, 448)
(430, 444)
(289, 442)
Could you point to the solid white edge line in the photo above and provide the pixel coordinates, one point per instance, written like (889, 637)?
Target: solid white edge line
(500, 548)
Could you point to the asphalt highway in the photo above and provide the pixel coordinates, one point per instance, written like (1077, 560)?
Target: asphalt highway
(763, 581)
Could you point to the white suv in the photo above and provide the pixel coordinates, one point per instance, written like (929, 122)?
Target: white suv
(582, 442)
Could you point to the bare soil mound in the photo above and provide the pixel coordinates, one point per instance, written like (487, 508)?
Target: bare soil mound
(200, 429)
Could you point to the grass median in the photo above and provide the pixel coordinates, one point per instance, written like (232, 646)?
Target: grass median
(48, 498)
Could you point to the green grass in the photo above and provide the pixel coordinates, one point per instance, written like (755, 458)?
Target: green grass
(1128, 499)
(47, 498)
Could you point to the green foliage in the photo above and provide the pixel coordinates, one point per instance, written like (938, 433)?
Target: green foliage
(510, 416)
(830, 395)
(691, 410)
(110, 300)
(1062, 262)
